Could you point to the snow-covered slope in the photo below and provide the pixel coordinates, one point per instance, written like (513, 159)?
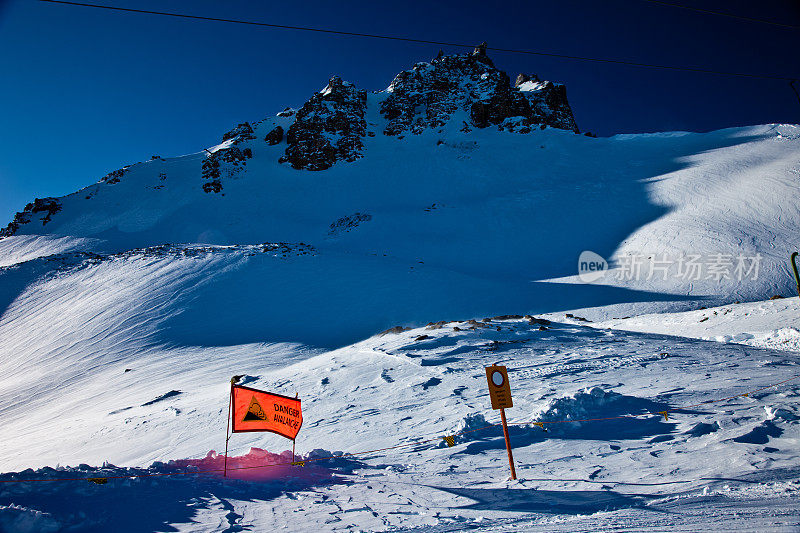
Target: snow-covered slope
(452, 195)
(468, 226)
(727, 465)
(448, 178)
(769, 324)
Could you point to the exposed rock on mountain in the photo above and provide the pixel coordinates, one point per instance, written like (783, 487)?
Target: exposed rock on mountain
(345, 224)
(241, 133)
(546, 100)
(113, 177)
(212, 174)
(429, 94)
(275, 136)
(49, 206)
(224, 162)
(328, 128)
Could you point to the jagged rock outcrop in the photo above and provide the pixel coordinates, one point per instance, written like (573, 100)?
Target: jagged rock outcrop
(211, 173)
(328, 128)
(429, 94)
(345, 224)
(49, 205)
(114, 176)
(545, 100)
(227, 162)
(274, 136)
(242, 132)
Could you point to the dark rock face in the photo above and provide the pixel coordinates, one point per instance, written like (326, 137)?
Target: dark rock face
(275, 136)
(50, 206)
(212, 174)
(429, 94)
(113, 177)
(241, 133)
(522, 78)
(543, 103)
(394, 330)
(345, 224)
(225, 162)
(19, 219)
(328, 128)
(212, 186)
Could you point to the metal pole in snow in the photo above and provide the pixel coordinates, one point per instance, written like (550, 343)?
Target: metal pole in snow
(227, 432)
(294, 459)
(508, 444)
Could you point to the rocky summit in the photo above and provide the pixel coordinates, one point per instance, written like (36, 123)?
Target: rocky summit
(469, 87)
(328, 128)
(465, 88)
(460, 92)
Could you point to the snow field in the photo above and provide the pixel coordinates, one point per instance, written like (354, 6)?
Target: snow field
(396, 389)
(116, 349)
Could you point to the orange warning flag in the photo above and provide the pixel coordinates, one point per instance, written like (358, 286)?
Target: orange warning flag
(257, 410)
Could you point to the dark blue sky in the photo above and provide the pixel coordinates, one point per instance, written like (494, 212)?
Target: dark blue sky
(86, 91)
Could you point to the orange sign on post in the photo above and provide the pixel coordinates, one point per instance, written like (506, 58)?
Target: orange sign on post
(499, 389)
(257, 410)
(500, 394)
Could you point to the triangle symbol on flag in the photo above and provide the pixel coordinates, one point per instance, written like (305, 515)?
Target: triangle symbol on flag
(254, 412)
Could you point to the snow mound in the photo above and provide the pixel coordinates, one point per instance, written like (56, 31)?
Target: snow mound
(782, 339)
(750, 323)
(777, 339)
(23, 520)
(472, 427)
(584, 404)
(702, 428)
(780, 413)
(590, 413)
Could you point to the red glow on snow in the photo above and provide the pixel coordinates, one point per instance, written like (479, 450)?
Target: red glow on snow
(256, 465)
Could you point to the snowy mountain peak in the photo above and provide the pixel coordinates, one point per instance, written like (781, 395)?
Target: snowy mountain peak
(468, 88)
(457, 93)
(328, 128)
(464, 89)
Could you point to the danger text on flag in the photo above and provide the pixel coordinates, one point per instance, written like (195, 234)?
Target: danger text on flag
(257, 410)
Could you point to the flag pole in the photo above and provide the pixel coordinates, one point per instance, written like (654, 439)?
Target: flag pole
(294, 459)
(227, 432)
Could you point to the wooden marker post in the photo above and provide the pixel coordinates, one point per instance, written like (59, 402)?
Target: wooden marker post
(500, 394)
